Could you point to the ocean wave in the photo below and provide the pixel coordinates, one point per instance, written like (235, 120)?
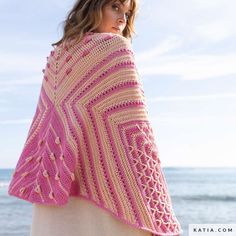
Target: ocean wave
(4, 184)
(222, 198)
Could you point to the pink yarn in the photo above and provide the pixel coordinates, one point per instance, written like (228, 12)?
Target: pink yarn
(91, 137)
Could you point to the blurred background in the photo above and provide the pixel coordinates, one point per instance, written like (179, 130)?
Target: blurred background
(185, 52)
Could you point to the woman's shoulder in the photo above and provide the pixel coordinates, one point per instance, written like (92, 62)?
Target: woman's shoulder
(107, 43)
(98, 45)
(109, 39)
(104, 40)
(103, 35)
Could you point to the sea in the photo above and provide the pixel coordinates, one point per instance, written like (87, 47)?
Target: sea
(199, 196)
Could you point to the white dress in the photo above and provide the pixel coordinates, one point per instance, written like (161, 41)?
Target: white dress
(79, 217)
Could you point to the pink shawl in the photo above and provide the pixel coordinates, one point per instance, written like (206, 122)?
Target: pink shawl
(91, 137)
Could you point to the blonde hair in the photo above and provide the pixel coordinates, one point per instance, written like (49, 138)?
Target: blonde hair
(86, 16)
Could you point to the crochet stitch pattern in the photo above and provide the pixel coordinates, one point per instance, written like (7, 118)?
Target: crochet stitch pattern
(91, 137)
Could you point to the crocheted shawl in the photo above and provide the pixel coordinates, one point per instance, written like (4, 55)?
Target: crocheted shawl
(91, 137)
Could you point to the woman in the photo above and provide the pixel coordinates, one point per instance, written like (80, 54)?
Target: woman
(90, 164)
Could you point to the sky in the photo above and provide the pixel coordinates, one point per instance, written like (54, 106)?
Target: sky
(185, 53)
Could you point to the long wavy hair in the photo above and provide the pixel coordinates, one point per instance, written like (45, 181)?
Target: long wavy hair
(86, 16)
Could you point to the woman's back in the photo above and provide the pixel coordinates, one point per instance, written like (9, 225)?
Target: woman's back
(91, 137)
